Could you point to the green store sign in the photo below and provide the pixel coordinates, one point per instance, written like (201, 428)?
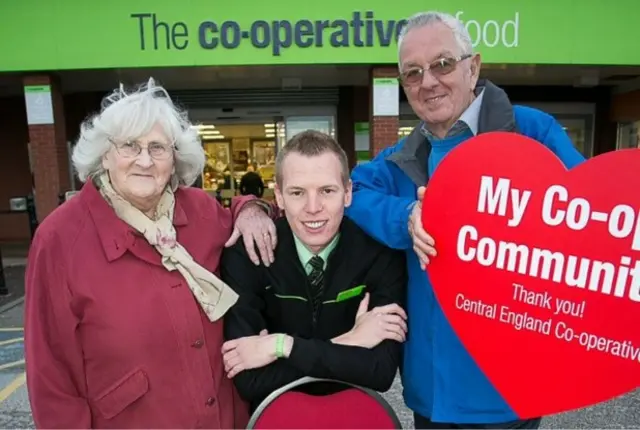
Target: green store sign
(81, 34)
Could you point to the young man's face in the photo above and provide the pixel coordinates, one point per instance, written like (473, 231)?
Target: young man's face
(313, 197)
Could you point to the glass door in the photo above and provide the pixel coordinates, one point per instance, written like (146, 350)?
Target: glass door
(628, 135)
(577, 119)
(234, 149)
(297, 124)
(281, 133)
(580, 130)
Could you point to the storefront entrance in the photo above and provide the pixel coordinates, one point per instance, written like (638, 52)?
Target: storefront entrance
(235, 146)
(234, 149)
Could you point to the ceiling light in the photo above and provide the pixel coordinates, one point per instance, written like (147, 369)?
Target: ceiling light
(213, 136)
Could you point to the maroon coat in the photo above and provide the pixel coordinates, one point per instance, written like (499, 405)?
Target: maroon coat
(113, 339)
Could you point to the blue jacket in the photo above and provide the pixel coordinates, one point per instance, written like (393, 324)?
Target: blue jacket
(440, 379)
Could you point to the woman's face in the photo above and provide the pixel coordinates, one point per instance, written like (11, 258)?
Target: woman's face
(141, 177)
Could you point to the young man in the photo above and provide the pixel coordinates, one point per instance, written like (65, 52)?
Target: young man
(330, 306)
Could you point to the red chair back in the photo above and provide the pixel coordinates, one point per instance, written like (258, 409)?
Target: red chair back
(353, 408)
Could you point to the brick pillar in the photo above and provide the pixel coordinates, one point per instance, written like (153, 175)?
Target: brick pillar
(48, 141)
(383, 129)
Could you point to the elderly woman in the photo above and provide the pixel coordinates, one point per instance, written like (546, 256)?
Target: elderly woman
(123, 305)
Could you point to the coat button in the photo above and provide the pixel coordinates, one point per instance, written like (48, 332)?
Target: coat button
(210, 401)
(198, 343)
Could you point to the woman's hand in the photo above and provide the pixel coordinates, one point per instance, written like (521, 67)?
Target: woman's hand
(257, 229)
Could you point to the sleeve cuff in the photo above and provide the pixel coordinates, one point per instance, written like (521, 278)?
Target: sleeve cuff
(406, 220)
(263, 205)
(302, 354)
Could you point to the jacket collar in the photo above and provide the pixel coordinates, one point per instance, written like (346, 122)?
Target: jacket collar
(115, 235)
(469, 119)
(286, 241)
(496, 114)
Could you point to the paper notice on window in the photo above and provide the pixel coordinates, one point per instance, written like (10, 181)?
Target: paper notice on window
(39, 104)
(386, 97)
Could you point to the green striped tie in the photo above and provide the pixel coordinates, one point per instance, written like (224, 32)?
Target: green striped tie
(316, 278)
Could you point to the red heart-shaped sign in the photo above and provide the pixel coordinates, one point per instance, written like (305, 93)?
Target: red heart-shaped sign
(538, 269)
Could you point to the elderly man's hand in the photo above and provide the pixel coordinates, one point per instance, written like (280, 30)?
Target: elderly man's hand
(423, 244)
(256, 229)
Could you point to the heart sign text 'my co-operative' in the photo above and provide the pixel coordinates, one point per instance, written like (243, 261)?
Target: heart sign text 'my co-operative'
(538, 269)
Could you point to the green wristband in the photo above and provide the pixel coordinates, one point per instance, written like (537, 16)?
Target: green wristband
(280, 345)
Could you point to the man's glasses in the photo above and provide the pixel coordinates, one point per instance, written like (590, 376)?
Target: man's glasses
(440, 67)
(131, 148)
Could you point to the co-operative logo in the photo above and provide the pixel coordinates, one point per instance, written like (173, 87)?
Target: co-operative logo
(362, 30)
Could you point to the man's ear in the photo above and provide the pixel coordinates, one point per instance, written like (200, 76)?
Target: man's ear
(474, 68)
(348, 194)
(279, 199)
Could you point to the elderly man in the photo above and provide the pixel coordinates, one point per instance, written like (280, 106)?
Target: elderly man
(439, 72)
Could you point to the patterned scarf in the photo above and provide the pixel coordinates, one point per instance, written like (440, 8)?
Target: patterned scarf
(212, 293)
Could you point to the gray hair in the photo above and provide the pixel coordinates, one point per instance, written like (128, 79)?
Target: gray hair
(423, 19)
(130, 116)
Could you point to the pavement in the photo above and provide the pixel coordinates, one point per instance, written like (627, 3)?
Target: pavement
(13, 260)
(15, 413)
(11, 278)
(620, 413)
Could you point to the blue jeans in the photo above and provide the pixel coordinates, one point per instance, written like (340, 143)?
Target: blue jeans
(421, 422)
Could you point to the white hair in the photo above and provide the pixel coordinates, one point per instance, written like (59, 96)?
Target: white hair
(423, 19)
(125, 116)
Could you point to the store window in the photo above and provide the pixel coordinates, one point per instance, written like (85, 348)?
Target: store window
(232, 150)
(628, 135)
(576, 118)
(407, 120)
(579, 129)
(406, 126)
(296, 124)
